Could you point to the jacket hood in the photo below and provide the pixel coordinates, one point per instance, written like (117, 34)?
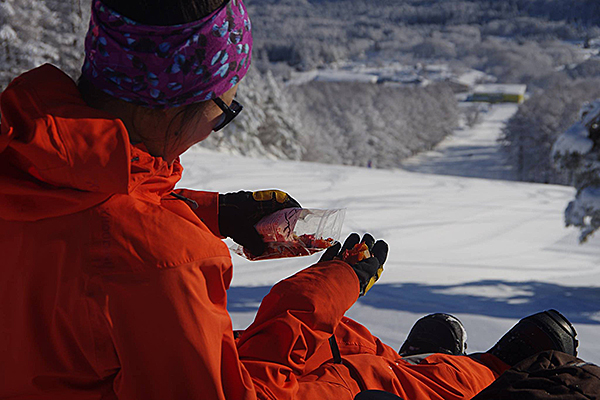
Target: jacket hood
(59, 156)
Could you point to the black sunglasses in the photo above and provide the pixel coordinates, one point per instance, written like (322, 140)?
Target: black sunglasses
(229, 112)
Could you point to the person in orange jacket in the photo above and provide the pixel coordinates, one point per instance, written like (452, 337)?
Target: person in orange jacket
(113, 284)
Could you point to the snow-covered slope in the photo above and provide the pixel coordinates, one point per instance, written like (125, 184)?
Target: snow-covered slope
(489, 251)
(470, 151)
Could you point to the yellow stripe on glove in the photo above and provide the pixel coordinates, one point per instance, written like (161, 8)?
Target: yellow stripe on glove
(266, 195)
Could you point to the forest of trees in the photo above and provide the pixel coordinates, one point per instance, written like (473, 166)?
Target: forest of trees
(493, 36)
(365, 124)
(342, 123)
(33, 32)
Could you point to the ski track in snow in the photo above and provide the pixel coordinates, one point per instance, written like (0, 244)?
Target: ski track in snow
(489, 251)
(470, 152)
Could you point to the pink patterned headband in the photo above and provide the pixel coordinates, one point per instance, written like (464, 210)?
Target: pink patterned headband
(167, 66)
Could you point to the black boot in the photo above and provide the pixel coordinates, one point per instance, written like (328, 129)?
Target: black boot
(547, 330)
(436, 333)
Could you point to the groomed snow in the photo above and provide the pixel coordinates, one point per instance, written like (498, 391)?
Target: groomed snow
(470, 151)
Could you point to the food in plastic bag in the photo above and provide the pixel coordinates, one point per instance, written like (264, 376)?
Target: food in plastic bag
(294, 232)
(356, 254)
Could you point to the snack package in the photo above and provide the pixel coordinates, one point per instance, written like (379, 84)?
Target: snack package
(294, 232)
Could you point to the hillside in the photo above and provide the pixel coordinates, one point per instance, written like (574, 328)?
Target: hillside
(510, 41)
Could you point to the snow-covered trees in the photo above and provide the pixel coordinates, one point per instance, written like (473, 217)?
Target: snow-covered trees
(358, 123)
(530, 134)
(269, 125)
(33, 32)
(576, 151)
(355, 123)
(343, 123)
(311, 34)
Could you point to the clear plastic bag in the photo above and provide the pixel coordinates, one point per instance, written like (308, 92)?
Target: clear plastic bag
(294, 232)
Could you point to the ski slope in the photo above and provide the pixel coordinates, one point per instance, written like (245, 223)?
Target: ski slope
(472, 152)
(489, 251)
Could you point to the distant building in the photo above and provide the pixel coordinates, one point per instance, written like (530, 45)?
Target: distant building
(499, 93)
(344, 76)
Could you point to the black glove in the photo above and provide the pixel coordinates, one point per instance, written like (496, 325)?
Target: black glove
(368, 270)
(240, 211)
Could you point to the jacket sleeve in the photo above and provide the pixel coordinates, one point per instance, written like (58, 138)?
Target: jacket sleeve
(295, 319)
(206, 206)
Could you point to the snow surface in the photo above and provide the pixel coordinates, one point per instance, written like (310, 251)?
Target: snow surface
(489, 251)
(574, 140)
(470, 152)
(501, 88)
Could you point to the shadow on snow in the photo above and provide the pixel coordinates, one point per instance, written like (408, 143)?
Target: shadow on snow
(493, 298)
(466, 161)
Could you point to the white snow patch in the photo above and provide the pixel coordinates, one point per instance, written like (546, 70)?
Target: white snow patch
(472, 77)
(594, 316)
(574, 140)
(501, 88)
(496, 291)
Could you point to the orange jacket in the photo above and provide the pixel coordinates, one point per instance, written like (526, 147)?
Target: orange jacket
(312, 296)
(111, 287)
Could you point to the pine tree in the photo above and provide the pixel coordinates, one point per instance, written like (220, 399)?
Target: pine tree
(577, 151)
